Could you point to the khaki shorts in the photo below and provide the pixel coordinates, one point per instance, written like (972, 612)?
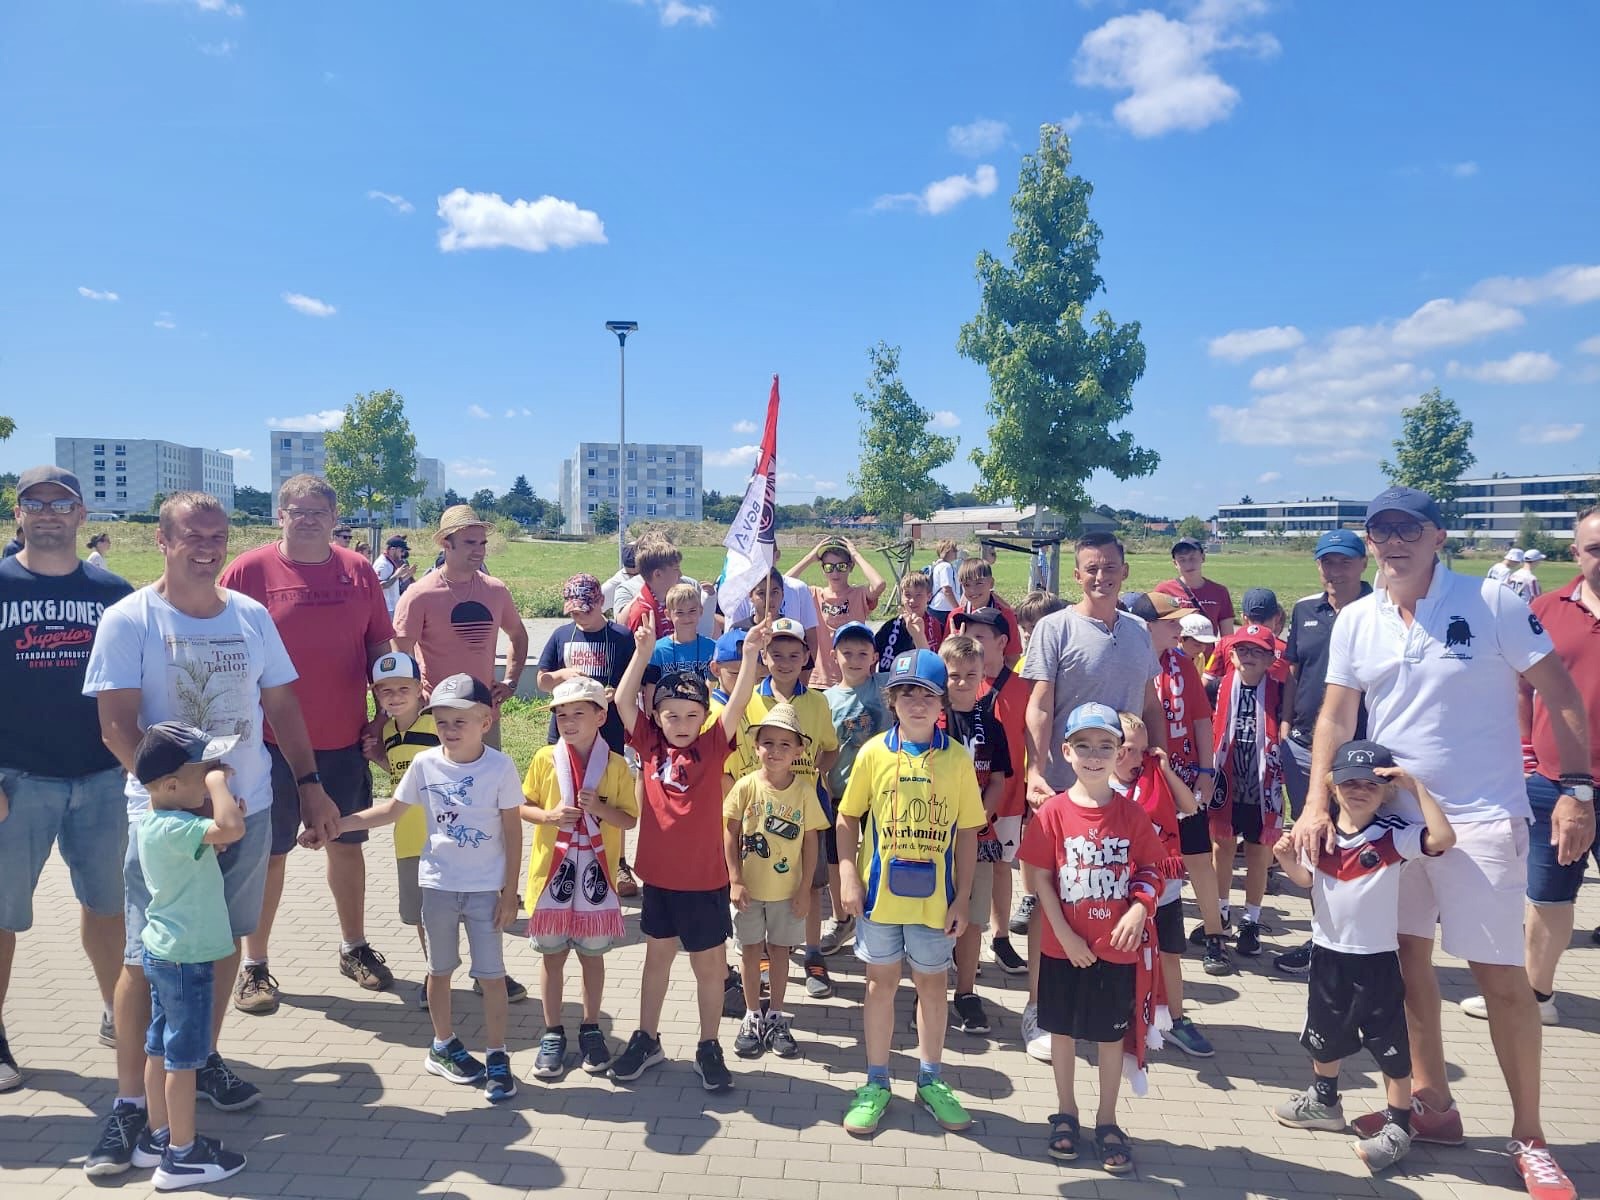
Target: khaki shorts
(407, 891)
(1473, 893)
(770, 921)
(982, 896)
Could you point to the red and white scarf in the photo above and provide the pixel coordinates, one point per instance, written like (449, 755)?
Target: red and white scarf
(1269, 764)
(1151, 1017)
(1151, 792)
(578, 900)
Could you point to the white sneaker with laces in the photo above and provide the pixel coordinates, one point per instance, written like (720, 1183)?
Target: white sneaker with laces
(1476, 1006)
(1034, 1040)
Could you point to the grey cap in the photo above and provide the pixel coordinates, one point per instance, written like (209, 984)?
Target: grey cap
(169, 746)
(34, 476)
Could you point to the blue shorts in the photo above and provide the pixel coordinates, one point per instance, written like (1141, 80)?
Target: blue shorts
(1548, 881)
(244, 882)
(86, 817)
(180, 1012)
(929, 950)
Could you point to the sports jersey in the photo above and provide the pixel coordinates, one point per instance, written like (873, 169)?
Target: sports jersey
(772, 825)
(1008, 695)
(540, 789)
(1150, 790)
(894, 639)
(1355, 888)
(816, 722)
(1184, 704)
(399, 748)
(680, 822)
(980, 732)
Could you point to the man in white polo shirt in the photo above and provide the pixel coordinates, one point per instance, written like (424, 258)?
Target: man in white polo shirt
(1437, 657)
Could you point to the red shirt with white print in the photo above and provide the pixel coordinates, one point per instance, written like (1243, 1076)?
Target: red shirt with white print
(680, 821)
(1184, 704)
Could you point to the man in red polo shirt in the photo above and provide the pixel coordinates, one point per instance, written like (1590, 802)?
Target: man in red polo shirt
(1192, 586)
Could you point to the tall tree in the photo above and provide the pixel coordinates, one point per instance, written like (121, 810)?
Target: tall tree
(483, 502)
(451, 498)
(252, 501)
(519, 503)
(1433, 450)
(898, 453)
(1194, 527)
(604, 518)
(1057, 385)
(372, 455)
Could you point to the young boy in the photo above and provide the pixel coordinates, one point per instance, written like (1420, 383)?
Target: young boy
(468, 873)
(686, 649)
(971, 722)
(186, 932)
(772, 818)
(579, 797)
(686, 892)
(1357, 996)
(977, 591)
(1206, 595)
(1035, 607)
(1095, 863)
(908, 841)
(660, 567)
(916, 628)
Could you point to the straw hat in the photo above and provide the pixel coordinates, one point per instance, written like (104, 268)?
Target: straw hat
(456, 518)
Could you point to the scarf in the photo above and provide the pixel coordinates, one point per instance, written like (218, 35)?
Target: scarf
(578, 900)
(1151, 1017)
(1151, 792)
(1269, 764)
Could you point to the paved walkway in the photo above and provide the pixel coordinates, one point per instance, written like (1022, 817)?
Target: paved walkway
(348, 1112)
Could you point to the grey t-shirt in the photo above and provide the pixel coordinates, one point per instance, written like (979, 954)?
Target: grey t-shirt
(1087, 660)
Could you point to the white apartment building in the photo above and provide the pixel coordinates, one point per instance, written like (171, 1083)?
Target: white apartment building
(302, 452)
(1492, 509)
(656, 481)
(125, 475)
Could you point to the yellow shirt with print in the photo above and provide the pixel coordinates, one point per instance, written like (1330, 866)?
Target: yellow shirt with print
(411, 830)
(773, 824)
(541, 789)
(910, 807)
(816, 722)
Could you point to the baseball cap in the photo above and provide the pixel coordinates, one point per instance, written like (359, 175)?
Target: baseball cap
(1533, 556)
(1188, 543)
(583, 689)
(682, 684)
(1154, 606)
(781, 716)
(34, 476)
(1197, 626)
(395, 666)
(1255, 635)
(460, 691)
(1406, 500)
(918, 668)
(1093, 716)
(580, 594)
(397, 540)
(991, 617)
(730, 647)
(1340, 541)
(788, 627)
(1259, 604)
(1360, 760)
(168, 746)
(854, 629)
(1515, 554)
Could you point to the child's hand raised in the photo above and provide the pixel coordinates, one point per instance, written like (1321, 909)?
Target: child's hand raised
(1398, 776)
(644, 637)
(1283, 849)
(759, 637)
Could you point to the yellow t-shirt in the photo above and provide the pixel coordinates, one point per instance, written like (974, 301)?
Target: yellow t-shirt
(816, 722)
(772, 824)
(541, 789)
(411, 830)
(910, 807)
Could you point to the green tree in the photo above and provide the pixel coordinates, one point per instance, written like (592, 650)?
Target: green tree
(716, 507)
(1057, 384)
(451, 498)
(1433, 450)
(604, 518)
(429, 511)
(483, 502)
(898, 453)
(252, 501)
(519, 503)
(372, 455)
(1193, 527)
(1233, 530)
(156, 501)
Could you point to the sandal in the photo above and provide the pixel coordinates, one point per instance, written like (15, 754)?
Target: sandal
(1063, 1144)
(1116, 1155)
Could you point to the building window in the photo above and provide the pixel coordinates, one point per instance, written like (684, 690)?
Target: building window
(611, 472)
(650, 494)
(669, 489)
(632, 491)
(100, 479)
(671, 457)
(633, 510)
(632, 455)
(590, 508)
(591, 472)
(649, 458)
(122, 481)
(100, 495)
(99, 464)
(100, 448)
(594, 492)
(122, 495)
(649, 510)
(688, 493)
(285, 443)
(122, 449)
(593, 454)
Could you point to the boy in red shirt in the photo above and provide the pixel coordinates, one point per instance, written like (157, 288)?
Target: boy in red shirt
(977, 591)
(1191, 585)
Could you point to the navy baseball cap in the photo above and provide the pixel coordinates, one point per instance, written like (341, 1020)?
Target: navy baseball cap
(169, 746)
(1188, 543)
(1360, 760)
(1259, 604)
(992, 617)
(1340, 541)
(1406, 500)
(918, 668)
(460, 691)
(852, 629)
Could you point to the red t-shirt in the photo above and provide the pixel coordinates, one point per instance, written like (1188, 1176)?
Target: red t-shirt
(1184, 701)
(1576, 634)
(327, 613)
(1210, 597)
(1100, 860)
(456, 626)
(680, 821)
(643, 603)
(1011, 706)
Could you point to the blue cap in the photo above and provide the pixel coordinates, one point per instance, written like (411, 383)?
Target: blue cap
(1093, 716)
(1260, 604)
(852, 629)
(918, 668)
(730, 647)
(1409, 501)
(1340, 541)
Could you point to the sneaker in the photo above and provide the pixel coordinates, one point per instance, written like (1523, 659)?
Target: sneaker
(1248, 943)
(1304, 1111)
(552, 1058)
(366, 966)
(453, 1063)
(1197, 935)
(256, 991)
(1034, 1040)
(780, 1038)
(1384, 1148)
(108, 1030)
(627, 886)
(204, 1162)
(733, 994)
(837, 936)
(866, 1110)
(713, 1072)
(514, 990)
(1008, 959)
(1476, 1006)
(149, 1148)
(113, 1153)
(594, 1052)
(968, 1015)
(1441, 1126)
(422, 995)
(641, 1053)
(1294, 962)
(941, 1102)
(498, 1082)
(1022, 915)
(226, 1091)
(818, 985)
(10, 1073)
(1216, 960)
(1541, 1175)
(1189, 1039)
(751, 1040)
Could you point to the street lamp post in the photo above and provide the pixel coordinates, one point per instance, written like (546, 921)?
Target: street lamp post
(622, 329)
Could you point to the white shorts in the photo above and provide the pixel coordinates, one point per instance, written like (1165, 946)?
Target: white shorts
(1474, 891)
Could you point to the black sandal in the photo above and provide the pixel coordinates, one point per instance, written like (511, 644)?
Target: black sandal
(1064, 1133)
(1116, 1155)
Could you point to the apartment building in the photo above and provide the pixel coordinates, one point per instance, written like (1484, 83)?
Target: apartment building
(655, 481)
(125, 475)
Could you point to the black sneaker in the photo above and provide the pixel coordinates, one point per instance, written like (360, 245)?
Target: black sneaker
(1022, 917)
(366, 966)
(453, 1063)
(10, 1073)
(1248, 943)
(641, 1053)
(204, 1162)
(751, 1039)
(113, 1153)
(732, 994)
(514, 990)
(226, 1091)
(969, 1016)
(713, 1072)
(594, 1052)
(552, 1058)
(1294, 962)
(1216, 961)
(147, 1151)
(108, 1030)
(1008, 959)
(779, 1037)
(818, 984)
(498, 1083)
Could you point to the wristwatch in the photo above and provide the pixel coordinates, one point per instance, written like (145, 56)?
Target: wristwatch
(1579, 787)
(309, 777)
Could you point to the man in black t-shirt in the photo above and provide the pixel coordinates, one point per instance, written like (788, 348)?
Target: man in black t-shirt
(60, 783)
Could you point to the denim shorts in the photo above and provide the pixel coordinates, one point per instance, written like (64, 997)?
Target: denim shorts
(1548, 881)
(86, 817)
(244, 881)
(929, 950)
(443, 915)
(180, 1012)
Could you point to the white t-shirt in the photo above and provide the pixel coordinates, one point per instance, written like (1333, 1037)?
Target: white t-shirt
(386, 576)
(944, 576)
(1355, 888)
(1442, 695)
(465, 850)
(208, 672)
(1500, 572)
(96, 559)
(620, 591)
(797, 604)
(1524, 583)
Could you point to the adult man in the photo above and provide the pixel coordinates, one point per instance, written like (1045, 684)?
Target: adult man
(1523, 581)
(62, 786)
(341, 535)
(186, 649)
(449, 619)
(1210, 597)
(394, 570)
(1571, 616)
(1502, 570)
(1438, 656)
(328, 607)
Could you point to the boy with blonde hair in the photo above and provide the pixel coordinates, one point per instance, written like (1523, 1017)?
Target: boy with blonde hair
(917, 627)
(687, 648)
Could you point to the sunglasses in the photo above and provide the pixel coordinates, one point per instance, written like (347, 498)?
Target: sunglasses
(344, 537)
(837, 568)
(1407, 531)
(59, 507)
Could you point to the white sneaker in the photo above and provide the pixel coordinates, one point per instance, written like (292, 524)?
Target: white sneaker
(1035, 1040)
(1476, 1006)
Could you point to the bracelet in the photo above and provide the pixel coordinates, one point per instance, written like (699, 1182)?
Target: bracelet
(1212, 771)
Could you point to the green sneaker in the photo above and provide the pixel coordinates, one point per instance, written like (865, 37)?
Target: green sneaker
(866, 1110)
(938, 1099)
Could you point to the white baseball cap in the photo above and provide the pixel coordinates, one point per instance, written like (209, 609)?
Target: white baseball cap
(395, 665)
(1515, 554)
(582, 689)
(1533, 556)
(1198, 626)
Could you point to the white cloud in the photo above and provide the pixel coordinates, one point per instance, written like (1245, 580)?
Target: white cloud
(737, 456)
(944, 419)
(1590, 345)
(824, 486)
(1450, 322)
(511, 414)
(240, 453)
(165, 321)
(1328, 458)
(674, 12)
(1072, 123)
(983, 136)
(527, 412)
(328, 418)
(1572, 284)
(471, 468)
(483, 220)
(479, 411)
(1525, 366)
(226, 7)
(942, 195)
(1550, 435)
(744, 427)
(309, 305)
(1164, 64)
(1463, 170)
(1241, 344)
(91, 294)
(399, 203)
(222, 49)
(1269, 477)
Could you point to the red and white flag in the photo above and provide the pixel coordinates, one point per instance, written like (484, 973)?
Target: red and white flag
(751, 549)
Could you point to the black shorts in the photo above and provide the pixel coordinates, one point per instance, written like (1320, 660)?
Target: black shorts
(1091, 1004)
(1357, 1000)
(345, 777)
(1194, 833)
(1169, 927)
(699, 920)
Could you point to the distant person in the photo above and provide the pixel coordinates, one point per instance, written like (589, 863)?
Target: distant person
(946, 597)
(839, 602)
(98, 545)
(1210, 597)
(394, 569)
(1523, 581)
(619, 591)
(1501, 571)
(341, 536)
(15, 545)
(797, 603)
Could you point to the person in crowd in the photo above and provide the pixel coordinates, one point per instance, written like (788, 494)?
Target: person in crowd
(1523, 581)
(394, 570)
(839, 602)
(1501, 571)
(1206, 595)
(684, 647)
(945, 596)
(917, 627)
(976, 577)
(98, 545)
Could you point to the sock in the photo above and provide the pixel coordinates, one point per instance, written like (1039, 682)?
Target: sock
(999, 941)
(1399, 1116)
(1252, 913)
(1224, 908)
(440, 1046)
(1543, 997)
(586, 1026)
(927, 1072)
(878, 1075)
(180, 1151)
(255, 962)
(549, 1029)
(164, 1132)
(351, 947)
(136, 1101)
(1327, 1089)
(105, 1011)
(495, 1050)
(813, 950)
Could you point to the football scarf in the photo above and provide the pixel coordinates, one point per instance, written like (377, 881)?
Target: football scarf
(1151, 792)
(578, 900)
(1269, 764)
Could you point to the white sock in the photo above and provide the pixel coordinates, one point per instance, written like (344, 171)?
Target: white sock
(1252, 913)
(178, 1151)
(495, 1050)
(351, 947)
(255, 962)
(1223, 909)
(440, 1045)
(136, 1101)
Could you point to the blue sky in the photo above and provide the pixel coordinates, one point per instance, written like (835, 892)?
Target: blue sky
(218, 214)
